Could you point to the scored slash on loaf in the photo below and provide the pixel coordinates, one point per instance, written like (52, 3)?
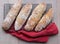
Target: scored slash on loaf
(46, 19)
(35, 17)
(12, 15)
(23, 15)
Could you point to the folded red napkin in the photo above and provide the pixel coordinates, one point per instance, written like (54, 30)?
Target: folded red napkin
(33, 36)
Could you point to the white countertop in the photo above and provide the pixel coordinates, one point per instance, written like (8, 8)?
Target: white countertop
(8, 39)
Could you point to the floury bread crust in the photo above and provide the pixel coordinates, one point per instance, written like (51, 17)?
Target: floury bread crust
(35, 17)
(12, 15)
(46, 19)
(23, 15)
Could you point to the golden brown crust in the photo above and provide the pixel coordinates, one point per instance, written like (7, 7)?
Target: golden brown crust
(23, 15)
(44, 21)
(35, 17)
(11, 15)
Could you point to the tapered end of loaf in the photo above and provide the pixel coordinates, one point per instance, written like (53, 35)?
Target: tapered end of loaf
(42, 4)
(4, 26)
(27, 28)
(17, 26)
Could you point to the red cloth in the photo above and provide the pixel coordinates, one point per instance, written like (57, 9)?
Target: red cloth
(33, 36)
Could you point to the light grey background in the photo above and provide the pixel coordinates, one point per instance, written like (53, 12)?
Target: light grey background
(8, 39)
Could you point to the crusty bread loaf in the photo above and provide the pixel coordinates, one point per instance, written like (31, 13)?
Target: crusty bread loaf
(35, 17)
(44, 21)
(23, 15)
(12, 15)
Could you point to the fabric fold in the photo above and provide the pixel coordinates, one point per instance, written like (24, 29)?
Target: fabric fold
(33, 36)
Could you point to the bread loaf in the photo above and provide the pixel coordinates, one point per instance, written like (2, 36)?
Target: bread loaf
(23, 15)
(35, 17)
(11, 15)
(46, 19)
